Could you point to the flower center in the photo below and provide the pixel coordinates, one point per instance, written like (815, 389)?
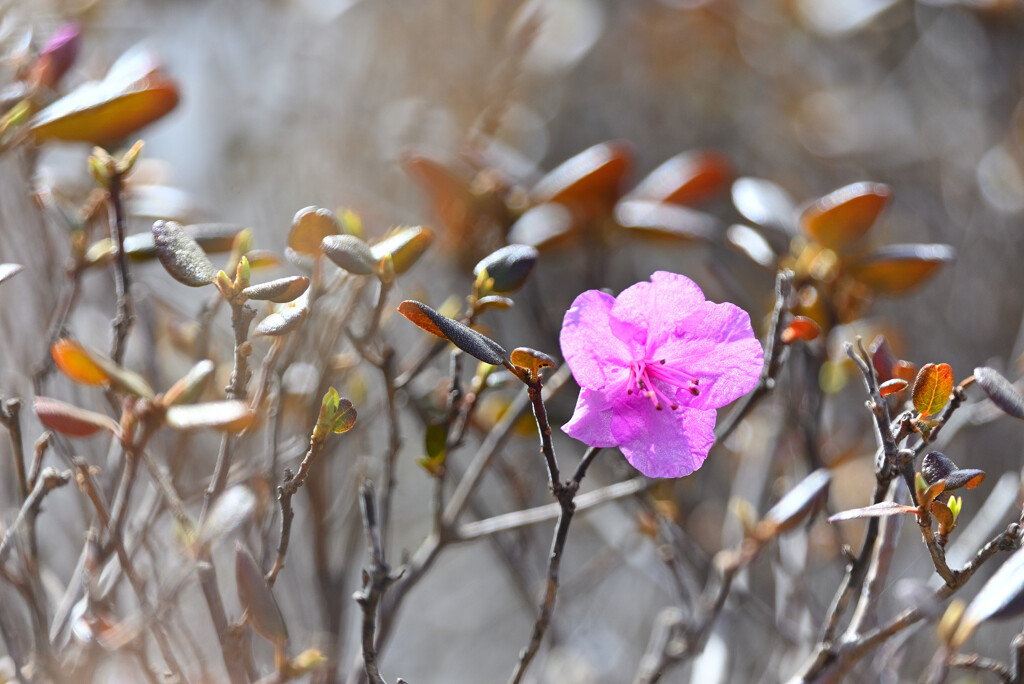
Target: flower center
(645, 375)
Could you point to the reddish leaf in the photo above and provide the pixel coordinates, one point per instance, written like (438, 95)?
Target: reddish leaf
(596, 174)
(882, 358)
(690, 178)
(70, 420)
(892, 386)
(904, 370)
(896, 269)
(800, 328)
(843, 216)
(932, 388)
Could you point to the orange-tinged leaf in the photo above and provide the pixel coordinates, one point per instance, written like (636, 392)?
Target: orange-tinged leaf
(77, 364)
(904, 370)
(932, 388)
(843, 216)
(70, 420)
(596, 174)
(465, 338)
(690, 178)
(896, 269)
(531, 359)
(405, 247)
(892, 386)
(800, 328)
(448, 186)
(309, 227)
(135, 92)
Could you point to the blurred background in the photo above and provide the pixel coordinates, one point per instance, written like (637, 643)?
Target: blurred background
(289, 103)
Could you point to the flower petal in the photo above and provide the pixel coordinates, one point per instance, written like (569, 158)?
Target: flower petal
(597, 359)
(716, 344)
(591, 422)
(664, 443)
(648, 313)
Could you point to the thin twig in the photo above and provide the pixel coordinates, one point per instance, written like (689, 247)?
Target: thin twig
(122, 323)
(48, 481)
(376, 579)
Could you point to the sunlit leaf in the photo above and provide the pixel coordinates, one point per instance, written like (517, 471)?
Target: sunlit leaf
(965, 477)
(690, 178)
(350, 253)
(229, 416)
(764, 203)
(182, 256)
(803, 500)
(596, 174)
(255, 597)
(309, 227)
(940, 511)
(752, 244)
(936, 466)
(896, 269)
(70, 420)
(1001, 597)
(1000, 390)
(843, 216)
(468, 340)
(493, 302)
(892, 386)
(135, 92)
(189, 388)
(405, 247)
(344, 417)
(77, 364)
(800, 328)
(259, 258)
(280, 291)
(212, 237)
(932, 388)
(925, 497)
(282, 322)
(878, 510)
(531, 359)
(9, 271)
(657, 219)
(509, 267)
(546, 226)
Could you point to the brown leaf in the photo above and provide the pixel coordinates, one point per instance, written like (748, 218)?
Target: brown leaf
(843, 216)
(594, 175)
(896, 269)
(465, 338)
(892, 386)
(690, 178)
(70, 420)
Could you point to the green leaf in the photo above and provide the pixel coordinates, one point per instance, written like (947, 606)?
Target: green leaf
(405, 247)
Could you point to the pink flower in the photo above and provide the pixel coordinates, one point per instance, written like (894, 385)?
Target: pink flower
(653, 364)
